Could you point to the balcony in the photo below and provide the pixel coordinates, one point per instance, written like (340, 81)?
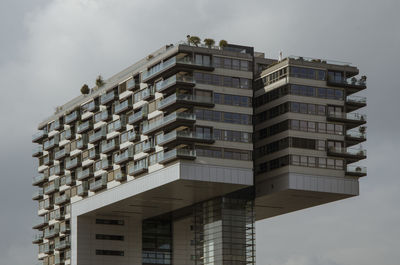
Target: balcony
(51, 233)
(82, 142)
(69, 133)
(48, 249)
(354, 137)
(169, 122)
(52, 187)
(55, 125)
(355, 102)
(356, 171)
(148, 146)
(105, 116)
(99, 184)
(144, 94)
(48, 204)
(173, 82)
(353, 85)
(39, 136)
(174, 65)
(72, 162)
(65, 228)
(108, 97)
(84, 126)
(40, 179)
(124, 156)
(59, 215)
(61, 154)
(47, 160)
(178, 153)
(119, 175)
(350, 154)
(351, 119)
(121, 107)
(138, 167)
(69, 180)
(58, 260)
(176, 101)
(62, 199)
(138, 116)
(37, 151)
(84, 173)
(51, 143)
(38, 194)
(83, 189)
(62, 244)
(42, 223)
(98, 135)
(38, 237)
(71, 117)
(108, 146)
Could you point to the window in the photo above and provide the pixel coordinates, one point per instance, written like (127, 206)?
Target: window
(109, 252)
(109, 237)
(109, 222)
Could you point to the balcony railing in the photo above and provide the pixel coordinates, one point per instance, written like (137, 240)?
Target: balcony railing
(62, 199)
(186, 98)
(108, 97)
(39, 135)
(38, 194)
(85, 126)
(62, 244)
(72, 163)
(356, 134)
(109, 146)
(65, 228)
(119, 175)
(178, 153)
(53, 187)
(37, 151)
(138, 116)
(348, 151)
(97, 136)
(51, 233)
(84, 173)
(159, 68)
(124, 156)
(348, 116)
(160, 86)
(356, 170)
(71, 117)
(83, 189)
(99, 184)
(102, 116)
(121, 107)
(38, 179)
(353, 82)
(69, 180)
(38, 237)
(50, 143)
(356, 99)
(168, 119)
(60, 154)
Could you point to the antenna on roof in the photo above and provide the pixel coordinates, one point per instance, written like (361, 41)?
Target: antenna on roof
(280, 56)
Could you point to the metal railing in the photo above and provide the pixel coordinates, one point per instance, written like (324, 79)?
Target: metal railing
(348, 116)
(356, 169)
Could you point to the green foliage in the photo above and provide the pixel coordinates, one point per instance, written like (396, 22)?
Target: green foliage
(209, 42)
(195, 40)
(223, 43)
(99, 81)
(85, 89)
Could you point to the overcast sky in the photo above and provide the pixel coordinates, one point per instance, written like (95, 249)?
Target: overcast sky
(50, 48)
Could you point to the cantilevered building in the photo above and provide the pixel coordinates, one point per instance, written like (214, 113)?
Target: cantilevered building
(174, 159)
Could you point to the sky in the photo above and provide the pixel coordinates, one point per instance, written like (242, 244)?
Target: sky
(49, 48)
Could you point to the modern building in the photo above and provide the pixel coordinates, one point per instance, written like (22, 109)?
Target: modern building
(173, 159)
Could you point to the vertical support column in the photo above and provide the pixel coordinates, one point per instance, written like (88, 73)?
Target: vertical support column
(224, 232)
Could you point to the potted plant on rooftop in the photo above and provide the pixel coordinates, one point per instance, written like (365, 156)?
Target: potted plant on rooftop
(209, 42)
(194, 40)
(223, 43)
(99, 81)
(85, 89)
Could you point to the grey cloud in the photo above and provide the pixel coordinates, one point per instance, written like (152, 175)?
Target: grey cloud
(50, 48)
